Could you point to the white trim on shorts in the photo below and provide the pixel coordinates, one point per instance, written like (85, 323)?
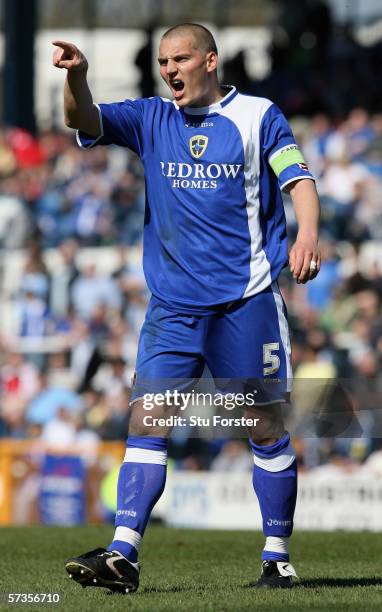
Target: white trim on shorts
(284, 333)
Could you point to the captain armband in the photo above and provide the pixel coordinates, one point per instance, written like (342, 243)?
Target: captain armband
(285, 157)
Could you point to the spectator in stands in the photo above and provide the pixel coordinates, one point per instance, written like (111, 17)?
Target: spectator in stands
(62, 278)
(233, 457)
(315, 143)
(18, 377)
(128, 209)
(320, 293)
(342, 187)
(49, 400)
(90, 290)
(66, 429)
(116, 421)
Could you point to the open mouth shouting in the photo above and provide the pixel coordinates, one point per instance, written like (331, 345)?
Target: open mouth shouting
(177, 88)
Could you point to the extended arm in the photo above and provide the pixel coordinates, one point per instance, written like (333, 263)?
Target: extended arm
(80, 112)
(305, 249)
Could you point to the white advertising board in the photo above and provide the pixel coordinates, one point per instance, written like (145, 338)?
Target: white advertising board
(227, 501)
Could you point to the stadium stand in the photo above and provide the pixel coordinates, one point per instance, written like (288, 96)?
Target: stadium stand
(73, 297)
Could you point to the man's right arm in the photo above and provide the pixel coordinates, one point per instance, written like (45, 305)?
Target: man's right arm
(80, 112)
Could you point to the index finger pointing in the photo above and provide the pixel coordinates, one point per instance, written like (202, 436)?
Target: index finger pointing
(64, 45)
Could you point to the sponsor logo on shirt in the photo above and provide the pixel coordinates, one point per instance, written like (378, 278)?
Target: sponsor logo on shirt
(198, 145)
(303, 167)
(198, 176)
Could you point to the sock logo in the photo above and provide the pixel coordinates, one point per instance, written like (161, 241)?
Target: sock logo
(277, 523)
(127, 513)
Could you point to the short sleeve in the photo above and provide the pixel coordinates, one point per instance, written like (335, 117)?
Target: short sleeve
(121, 124)
(280, 150)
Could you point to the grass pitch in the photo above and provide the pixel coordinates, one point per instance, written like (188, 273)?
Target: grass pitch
(196, 570)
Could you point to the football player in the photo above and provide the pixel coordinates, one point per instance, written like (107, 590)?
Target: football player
(214, 245)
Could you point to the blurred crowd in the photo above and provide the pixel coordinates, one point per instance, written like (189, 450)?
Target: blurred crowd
(73, 297)
(316, 62)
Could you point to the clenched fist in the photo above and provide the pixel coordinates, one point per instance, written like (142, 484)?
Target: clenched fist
(69, 56)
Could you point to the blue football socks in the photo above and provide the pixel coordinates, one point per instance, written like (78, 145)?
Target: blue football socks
(275, 484)
(141, 482)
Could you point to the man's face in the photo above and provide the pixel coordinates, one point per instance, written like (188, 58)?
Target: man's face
(186, 70)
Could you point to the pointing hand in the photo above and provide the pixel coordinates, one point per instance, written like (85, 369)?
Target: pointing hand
(69, 56)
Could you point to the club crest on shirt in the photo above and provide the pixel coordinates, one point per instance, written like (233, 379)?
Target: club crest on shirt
(198, 145)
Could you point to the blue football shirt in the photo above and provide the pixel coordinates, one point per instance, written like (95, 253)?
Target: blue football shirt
(215, 227)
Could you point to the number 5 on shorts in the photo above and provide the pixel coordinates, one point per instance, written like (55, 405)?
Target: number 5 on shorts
(270, 360)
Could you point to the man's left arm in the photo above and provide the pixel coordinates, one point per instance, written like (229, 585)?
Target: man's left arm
(304, 256)
(283, 155)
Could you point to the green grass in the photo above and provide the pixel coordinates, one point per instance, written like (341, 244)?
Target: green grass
(198, 570)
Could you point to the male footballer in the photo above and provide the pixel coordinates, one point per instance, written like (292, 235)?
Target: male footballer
(214, 245)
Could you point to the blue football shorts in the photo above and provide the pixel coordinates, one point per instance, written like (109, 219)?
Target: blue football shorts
(245, 345)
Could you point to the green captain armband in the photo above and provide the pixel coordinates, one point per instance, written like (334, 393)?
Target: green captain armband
(285, 157)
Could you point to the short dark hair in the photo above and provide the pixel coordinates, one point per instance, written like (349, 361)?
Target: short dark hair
(203, 37)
